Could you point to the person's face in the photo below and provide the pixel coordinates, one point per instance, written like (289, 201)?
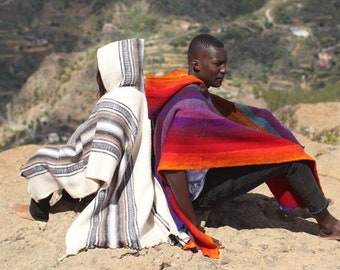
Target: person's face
(211, 66)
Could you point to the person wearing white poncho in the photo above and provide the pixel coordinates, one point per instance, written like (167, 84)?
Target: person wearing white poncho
(109, 156)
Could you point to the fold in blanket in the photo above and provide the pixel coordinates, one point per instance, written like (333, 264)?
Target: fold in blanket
(109, 155)
(192, 132)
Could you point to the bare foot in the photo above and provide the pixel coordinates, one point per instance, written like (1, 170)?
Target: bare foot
(333, 233)
(22, 210)
(62, 206)
(329, 236)
(329, 226)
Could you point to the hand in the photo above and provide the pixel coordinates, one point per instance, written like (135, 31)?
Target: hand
(218, 243)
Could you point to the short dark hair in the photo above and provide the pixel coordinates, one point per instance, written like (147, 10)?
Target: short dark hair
(203, 41)
(101, 88)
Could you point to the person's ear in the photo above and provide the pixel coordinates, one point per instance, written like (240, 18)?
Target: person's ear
(196, 65)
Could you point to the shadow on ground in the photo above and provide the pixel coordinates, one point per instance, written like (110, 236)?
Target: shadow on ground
(257, 211)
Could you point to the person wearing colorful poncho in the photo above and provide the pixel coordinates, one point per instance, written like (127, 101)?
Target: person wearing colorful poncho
(208, 149)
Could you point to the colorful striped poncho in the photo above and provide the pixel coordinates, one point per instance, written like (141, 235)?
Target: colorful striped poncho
(195, 129)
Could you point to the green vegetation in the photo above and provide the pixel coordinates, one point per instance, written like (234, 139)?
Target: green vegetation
(77, 25)
(282, 68)
(207, 10)
(277, 99)
(331, 138)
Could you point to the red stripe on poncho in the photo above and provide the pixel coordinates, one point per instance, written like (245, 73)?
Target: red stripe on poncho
(191, 134)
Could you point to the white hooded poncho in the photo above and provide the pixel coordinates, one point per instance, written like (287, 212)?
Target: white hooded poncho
(109, 155)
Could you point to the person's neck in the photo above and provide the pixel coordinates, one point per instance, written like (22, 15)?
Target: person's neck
(193, 73)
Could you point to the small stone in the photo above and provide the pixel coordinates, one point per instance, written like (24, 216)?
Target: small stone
(225, 260)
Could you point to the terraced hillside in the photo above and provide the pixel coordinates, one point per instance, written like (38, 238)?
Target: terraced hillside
(48, 48)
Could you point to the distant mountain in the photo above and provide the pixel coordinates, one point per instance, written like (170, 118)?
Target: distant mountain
(48, 65)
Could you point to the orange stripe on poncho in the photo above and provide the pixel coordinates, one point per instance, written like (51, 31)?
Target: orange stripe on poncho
(190, 133)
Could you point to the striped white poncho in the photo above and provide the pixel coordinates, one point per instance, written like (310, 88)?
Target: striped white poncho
(110, 155)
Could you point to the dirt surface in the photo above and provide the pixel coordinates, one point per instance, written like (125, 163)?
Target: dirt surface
(255, 234)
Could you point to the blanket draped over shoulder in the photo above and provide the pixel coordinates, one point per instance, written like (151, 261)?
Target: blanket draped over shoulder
(109, 155)
(192, 132)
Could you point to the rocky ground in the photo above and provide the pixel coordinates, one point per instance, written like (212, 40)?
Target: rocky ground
(255, 234)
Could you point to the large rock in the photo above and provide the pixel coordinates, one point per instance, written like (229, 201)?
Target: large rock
(319, 122)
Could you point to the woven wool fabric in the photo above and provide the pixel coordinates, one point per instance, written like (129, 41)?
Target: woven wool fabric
(192, 132)
(110, 155)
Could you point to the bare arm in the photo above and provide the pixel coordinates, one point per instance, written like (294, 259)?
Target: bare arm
(178, 183)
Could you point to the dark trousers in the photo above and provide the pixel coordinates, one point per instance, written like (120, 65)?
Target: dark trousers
(40, 210)
(225, 183)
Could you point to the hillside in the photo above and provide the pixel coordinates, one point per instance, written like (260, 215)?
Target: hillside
(48, 51)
